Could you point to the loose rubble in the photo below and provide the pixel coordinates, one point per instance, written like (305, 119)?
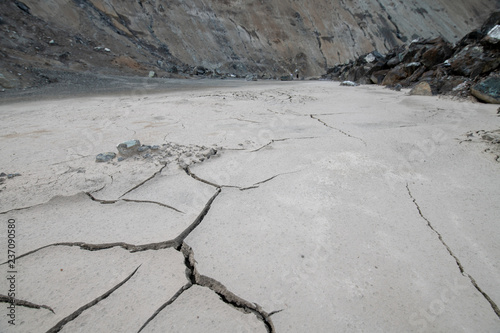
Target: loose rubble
(447, 69)
(167, 153)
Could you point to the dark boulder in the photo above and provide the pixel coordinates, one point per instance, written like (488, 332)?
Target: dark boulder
(488, 90)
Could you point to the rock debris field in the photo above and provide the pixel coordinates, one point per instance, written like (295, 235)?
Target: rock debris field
(258, 207)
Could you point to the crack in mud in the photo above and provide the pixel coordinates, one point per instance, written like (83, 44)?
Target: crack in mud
(174, 243)
(217, 287)
(337, 129)
(145, 181)
(111, 202)
(167, 303)
(19, 302)
(457, 261)
(78, 312)
(281, 140)
(192, 175)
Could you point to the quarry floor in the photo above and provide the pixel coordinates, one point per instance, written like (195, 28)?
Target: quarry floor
(268, 207)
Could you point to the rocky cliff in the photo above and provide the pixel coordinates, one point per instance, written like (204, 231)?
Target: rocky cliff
(272, 38)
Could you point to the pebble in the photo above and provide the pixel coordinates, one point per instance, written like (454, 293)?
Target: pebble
(105, 157)
(155, 147)
(143, 149)
(3, 174)
(12, 175)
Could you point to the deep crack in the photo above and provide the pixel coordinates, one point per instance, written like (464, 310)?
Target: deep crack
(174, 243)
(459, 264)
(224, 294)
(180, 239)
(192, 175)
(19, 302)
(75, 314)
(338, 130)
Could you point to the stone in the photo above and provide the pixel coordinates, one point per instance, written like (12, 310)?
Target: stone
(379, 76)
(6, 83)
(349, 84)
(128, 148)
(421, 89)
(107, 50)
(12, 175)
(23, 7)
(488, 90)
(370, 58)
(3, 174)
(105, 157)
(152, 74)
(286, 78)
(493, 35)
(155, 147)
(251, 77)
(394, 76)
(142, 149)
(398, 87)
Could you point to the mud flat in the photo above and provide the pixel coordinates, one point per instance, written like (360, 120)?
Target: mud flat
(252, 207)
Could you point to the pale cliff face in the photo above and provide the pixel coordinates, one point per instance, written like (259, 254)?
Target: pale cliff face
(241, 36)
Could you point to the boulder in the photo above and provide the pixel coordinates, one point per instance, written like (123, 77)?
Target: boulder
(488, 90)
(421, 89)
(394, 76)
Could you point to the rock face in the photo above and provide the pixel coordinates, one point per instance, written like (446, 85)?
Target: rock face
(276, 37)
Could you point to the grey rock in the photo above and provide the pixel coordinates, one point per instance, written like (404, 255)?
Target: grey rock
(12, 175)
(349, 84)
(105, 157)
(143, 149)
(3, 174)
(398, 87)
(6, 83)
(152, 74)
(121, 158)
(493, 36)
(155, 147)
(128, 148)
(370, 58)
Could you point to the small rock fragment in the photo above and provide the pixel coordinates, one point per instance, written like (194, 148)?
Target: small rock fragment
(121, 158)
(12, 175)
(155, 147)
(128, 148)
(3, 174)
(142, 149)
(105, 157)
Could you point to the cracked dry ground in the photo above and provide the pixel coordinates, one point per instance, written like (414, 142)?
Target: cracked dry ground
(325, 209)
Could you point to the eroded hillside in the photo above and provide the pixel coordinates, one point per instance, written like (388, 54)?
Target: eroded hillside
(269, 38)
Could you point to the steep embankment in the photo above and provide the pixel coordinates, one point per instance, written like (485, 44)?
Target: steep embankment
(231, 36)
